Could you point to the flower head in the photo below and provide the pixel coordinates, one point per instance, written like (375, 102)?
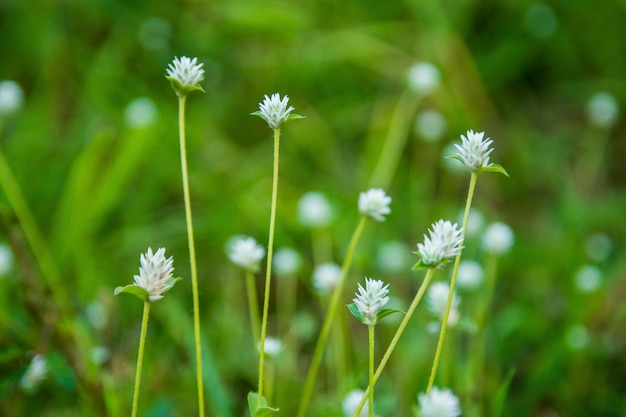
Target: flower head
(272, 347)
(423, 77)
(275, 112)
(498, 238)
(246, 253)
(352, 401)
(155, 273)
(443, 243)
(437, 301)
(314, 210)
(474, 152)
(375, 204)
(287, 261)
(603, 109)
(35, 373)
(11, 98)
(439, 403)
(185, 74)
(325, 277)
(371, 300)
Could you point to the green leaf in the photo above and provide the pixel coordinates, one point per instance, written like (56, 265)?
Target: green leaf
(264, 410)
(422, 265)
(387, 311)
(356, 313)
(140, 292)
(494, 168)
(293, 116)
(498, 401)
(182, 90)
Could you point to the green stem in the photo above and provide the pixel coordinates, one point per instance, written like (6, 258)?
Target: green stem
(192, 251)
(142, 343)
(396, 337)
(455, 272)
(253, 306)
(268, 274)
(371, 370)
(332, 310)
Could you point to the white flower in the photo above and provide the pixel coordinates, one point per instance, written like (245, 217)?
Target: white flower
(588, 278)
(474, 151)
(100, 354)
(423, 77)
(437, 302)
(314, 210)
(375, 204)
(274, 110)
(351, 401)
(35, 373)
(271, 348)
(444, 243)
(141, 112)
(470, 275)
(6, 259)
(498, 238)
(11, 98)
(371, 300)
(246, 252)
(439, 403)
(325, 277)
(155, 273)
(393, 256)
(430, 125)
(603, 109)
(578, 337)
(185, 75)
(287, 261)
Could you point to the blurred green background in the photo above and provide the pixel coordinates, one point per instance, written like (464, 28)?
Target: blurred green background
(95, 152)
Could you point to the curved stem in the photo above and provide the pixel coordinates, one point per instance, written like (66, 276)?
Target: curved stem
(332, 310)
(455, 272)
(192, 252)
(142, 343)
(268, 274)
(416, 300)
(370, 412)
(253, 306)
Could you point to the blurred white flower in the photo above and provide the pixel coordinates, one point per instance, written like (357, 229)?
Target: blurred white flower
(498, 238)
(423, 77)
(598, 247)
(6, 259)
(272, 347)
(11, 98)
(185, 74)
(474, 151)
(274, 110)
(371, 300)
(141, 112)
(603, 109)
(578, 337)
(375, 204)
(97, 314)
(439, 403)
(325, 277)
(287, 261)
(437, 302)
(314, 210)
(430, 125)
(155, 273)
(588, 278)
(351, 401)
(393, 256)
(470, 275)
(443, 243)
(100, 355)
(35, 373)
(245, 252)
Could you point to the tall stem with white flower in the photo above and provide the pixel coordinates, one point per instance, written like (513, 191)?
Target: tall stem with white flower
(142, 343)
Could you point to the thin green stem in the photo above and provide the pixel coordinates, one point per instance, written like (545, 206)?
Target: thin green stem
(370, 329)
(142, 344)
(396, 337)
(192, 252)
(455, 272)
(253, 306)
(332, 310)
(270, 253)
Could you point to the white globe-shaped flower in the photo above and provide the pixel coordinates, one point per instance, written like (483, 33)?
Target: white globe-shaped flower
(314, 210)
(276, 111)
(287, 261)
(437, 302)
(155, 273)
(351, 402)
(498, 238)
(442, 244)
(371, 299)
(439, 403)
(423, 77)
(245, 252)
(141, 112)
(474, 150)
(603, 109)
(470, 275)
(325, 277)
(430, 125)
(185, 74)
(11, 98)
(375, 204)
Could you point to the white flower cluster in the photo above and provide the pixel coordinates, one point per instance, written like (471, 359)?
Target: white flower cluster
(375, 204)
(274, 110)
(437, 300)
(155, 273)
(246, 252)
(371, 300)
(11, 98)
(325, 277)
(439, 403)
(314, 210)
(443, 243)
(185, 74)
(474, 150)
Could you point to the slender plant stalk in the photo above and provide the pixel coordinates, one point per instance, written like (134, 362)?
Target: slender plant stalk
(332, 310)
(370, 331)
(270, 254)
(396, 337)
(338, 346)
(142, 343)
(192, 252)
(253, 306)
(455, 272)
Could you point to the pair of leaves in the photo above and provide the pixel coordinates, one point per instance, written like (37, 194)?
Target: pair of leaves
(141, 292)
(382, 313)
(255, 410)
(489, 168)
